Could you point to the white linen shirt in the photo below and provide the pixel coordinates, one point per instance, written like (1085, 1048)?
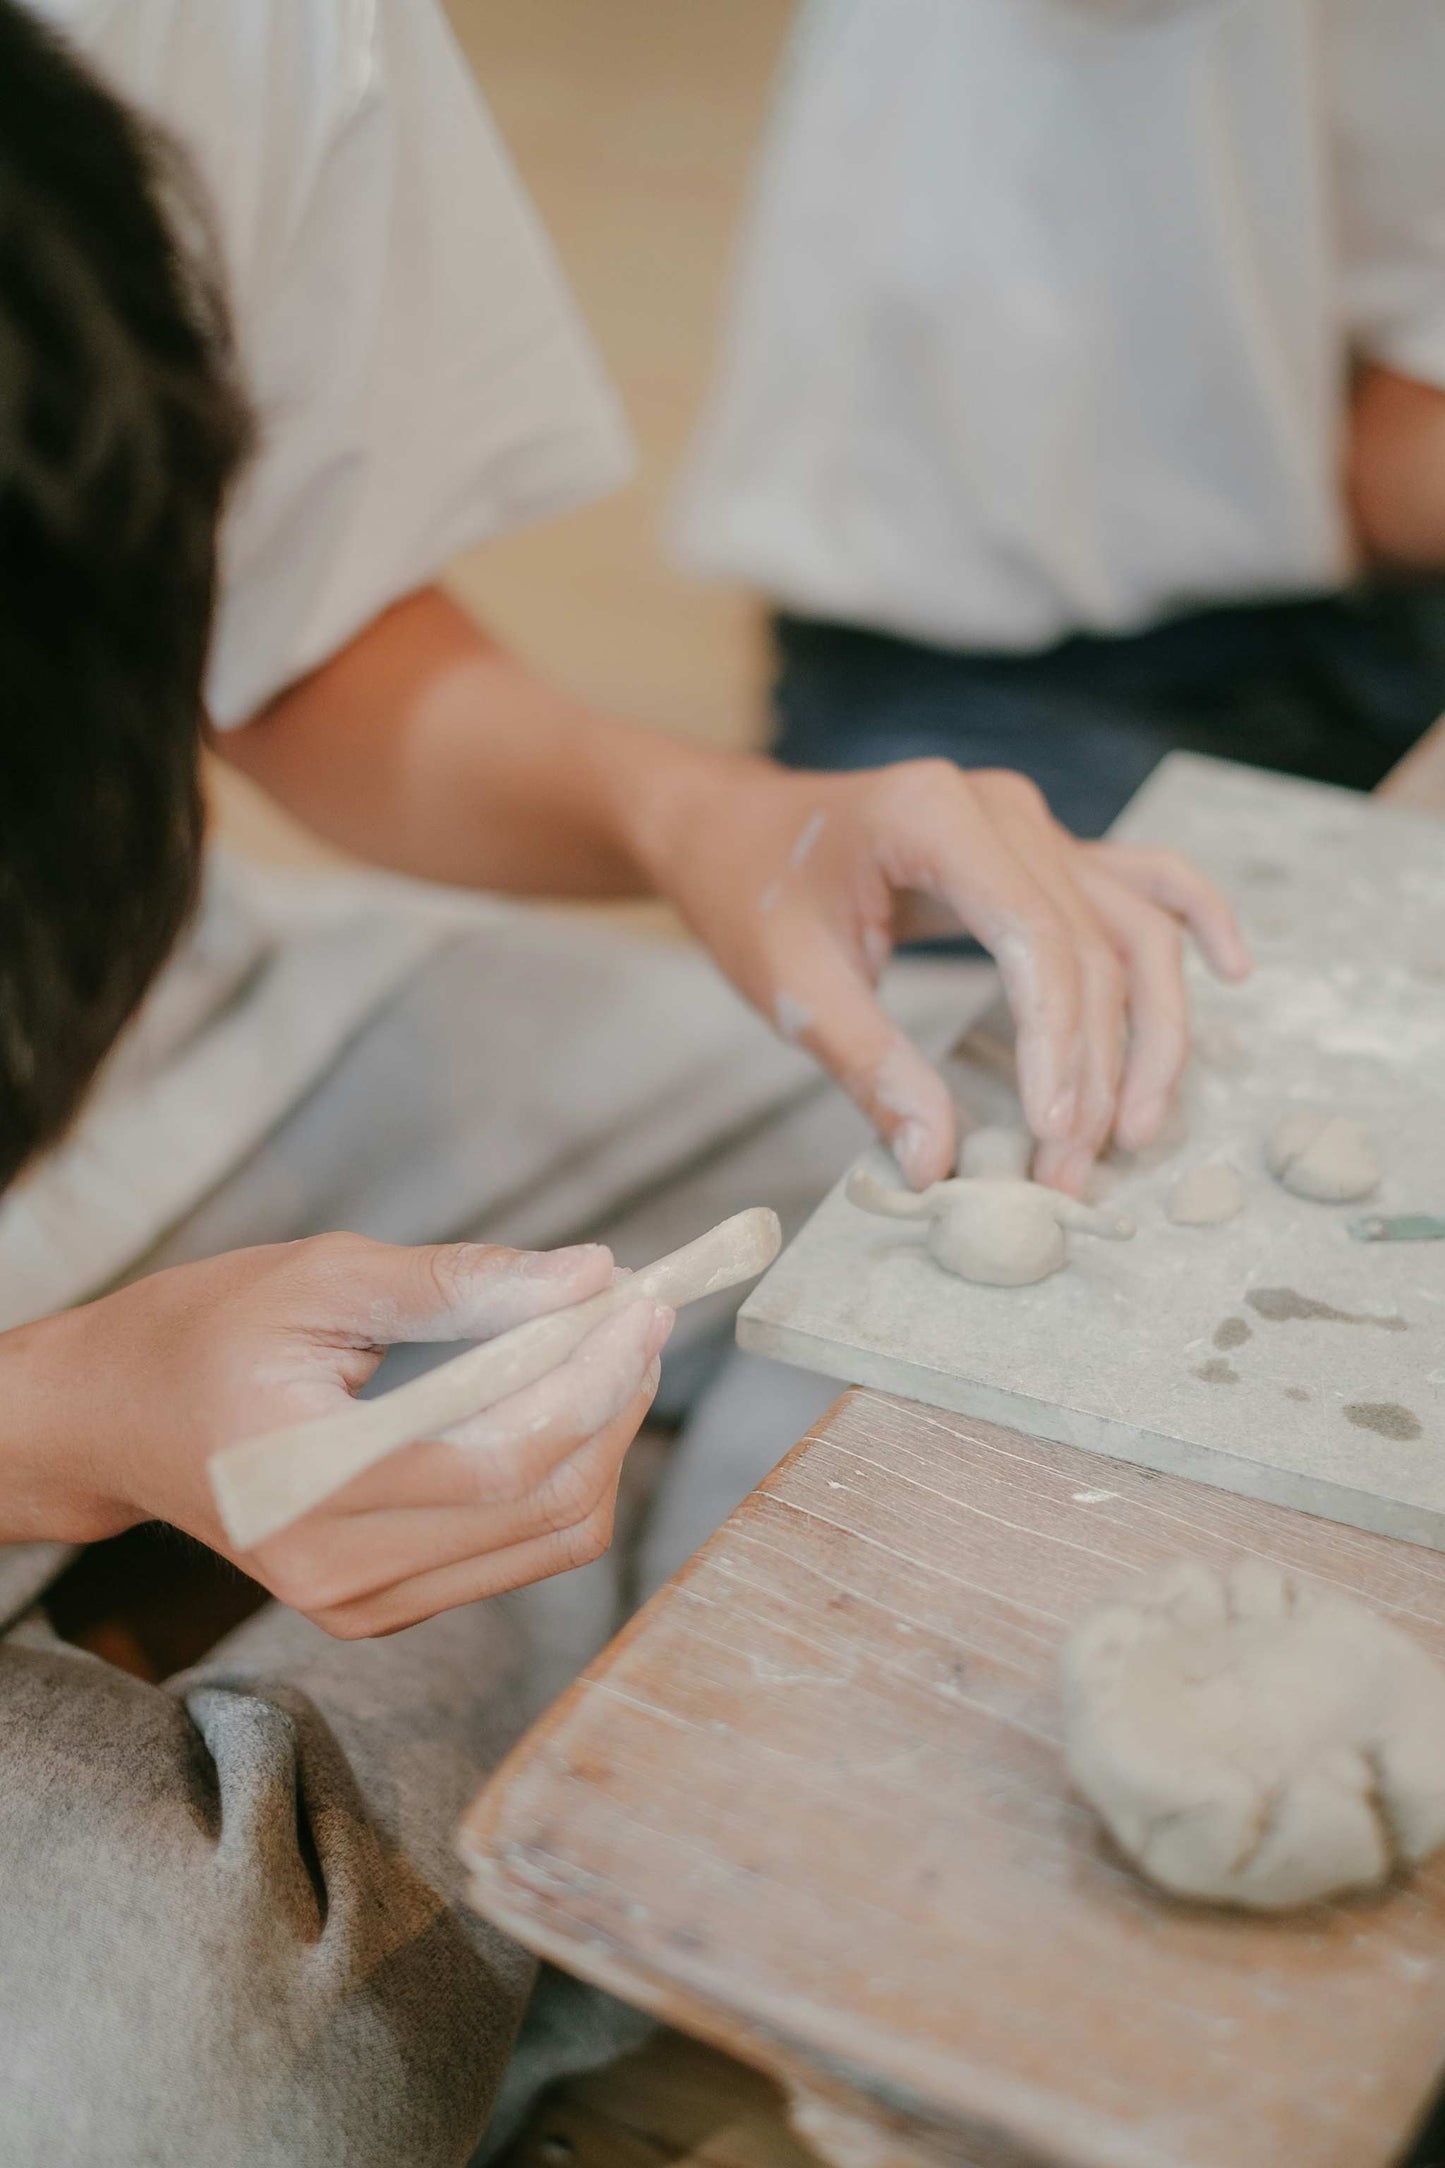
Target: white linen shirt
(421, 376)
(1045, 316)
(422, 382)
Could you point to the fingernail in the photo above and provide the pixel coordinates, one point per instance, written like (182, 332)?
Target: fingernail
(913, 1151)
(563, 1264)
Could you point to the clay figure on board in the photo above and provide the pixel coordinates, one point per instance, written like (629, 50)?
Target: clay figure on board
(990, 1224)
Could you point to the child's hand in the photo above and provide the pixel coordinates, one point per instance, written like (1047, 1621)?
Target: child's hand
(801, 884)
(111, 1411)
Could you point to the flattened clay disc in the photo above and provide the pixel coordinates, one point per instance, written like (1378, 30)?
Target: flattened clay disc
(1253, 1740)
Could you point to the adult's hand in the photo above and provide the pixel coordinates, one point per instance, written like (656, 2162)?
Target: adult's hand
(428, 748)
(801, 884)
(111, 1411)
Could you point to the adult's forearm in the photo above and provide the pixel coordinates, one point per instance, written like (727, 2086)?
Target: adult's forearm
(1397, 470)
(425, 747)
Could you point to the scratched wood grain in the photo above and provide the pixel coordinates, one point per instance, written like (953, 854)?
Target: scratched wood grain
(812, 1805)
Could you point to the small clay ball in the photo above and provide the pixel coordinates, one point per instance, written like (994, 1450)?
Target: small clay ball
(1206, 1196)
(1000, 1234)
(1322, 1156)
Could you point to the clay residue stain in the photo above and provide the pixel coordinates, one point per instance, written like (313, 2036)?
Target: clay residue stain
(1297, 1392)
(1284, 1306)
(1231, 1332)
(1217, 1372)
(1386, 1417)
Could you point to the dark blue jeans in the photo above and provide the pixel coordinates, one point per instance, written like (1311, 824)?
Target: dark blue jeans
(1337, 688)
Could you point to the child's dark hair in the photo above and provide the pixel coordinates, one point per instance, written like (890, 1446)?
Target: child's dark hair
(121, 424)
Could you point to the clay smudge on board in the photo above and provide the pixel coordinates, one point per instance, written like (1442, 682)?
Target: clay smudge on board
(1284, 1305)
(1386, 1417)
(1217, 1372)
(1298, 1392)
(1231, 1332)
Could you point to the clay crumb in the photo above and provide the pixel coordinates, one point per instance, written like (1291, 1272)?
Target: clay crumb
(1206, 1196)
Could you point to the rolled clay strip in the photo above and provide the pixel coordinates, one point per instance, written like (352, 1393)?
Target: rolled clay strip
(262, 1484)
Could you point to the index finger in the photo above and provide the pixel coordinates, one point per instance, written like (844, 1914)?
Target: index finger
(837, 1016)
(965, 861)
(1177, 885)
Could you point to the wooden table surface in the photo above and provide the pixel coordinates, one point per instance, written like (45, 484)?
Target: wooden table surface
(811, 1806)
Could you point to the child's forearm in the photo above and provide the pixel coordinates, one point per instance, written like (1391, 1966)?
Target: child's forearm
(425, 747)
(56, 1439)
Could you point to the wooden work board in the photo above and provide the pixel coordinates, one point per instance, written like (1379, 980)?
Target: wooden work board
(812, 1806)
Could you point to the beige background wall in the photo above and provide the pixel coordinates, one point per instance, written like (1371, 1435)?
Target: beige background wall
(634, 123)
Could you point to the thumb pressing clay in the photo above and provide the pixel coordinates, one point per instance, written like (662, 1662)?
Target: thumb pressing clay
(1322, 1156)
(1252, 1740)
(995, 1231)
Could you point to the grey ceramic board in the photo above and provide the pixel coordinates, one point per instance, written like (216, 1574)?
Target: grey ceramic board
(1274, 1356)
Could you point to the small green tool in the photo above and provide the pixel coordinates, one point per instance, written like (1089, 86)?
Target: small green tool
(1401, 1227)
